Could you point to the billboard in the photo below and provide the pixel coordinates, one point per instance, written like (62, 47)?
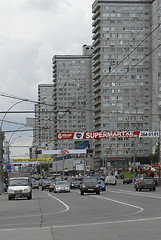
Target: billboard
(107, 134)
(81, 144)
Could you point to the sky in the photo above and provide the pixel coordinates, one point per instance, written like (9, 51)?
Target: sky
(31, 33)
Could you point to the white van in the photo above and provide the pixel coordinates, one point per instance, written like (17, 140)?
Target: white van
(110, 180)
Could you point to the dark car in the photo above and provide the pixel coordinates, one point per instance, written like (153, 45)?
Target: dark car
(145, 183)
(89, 185)
(75, 184)
(45, 184)
(127, 180)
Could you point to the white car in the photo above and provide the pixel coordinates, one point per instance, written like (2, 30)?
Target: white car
(62, 186)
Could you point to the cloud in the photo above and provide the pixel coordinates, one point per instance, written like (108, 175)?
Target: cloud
(31, 33)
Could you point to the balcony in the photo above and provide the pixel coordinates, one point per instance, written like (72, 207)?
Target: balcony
(96, 28)
(96, 42)
(96, 49)
(95, 15)
(96, 35)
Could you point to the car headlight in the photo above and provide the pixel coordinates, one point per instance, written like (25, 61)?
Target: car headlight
(10, 191)
(25, 190)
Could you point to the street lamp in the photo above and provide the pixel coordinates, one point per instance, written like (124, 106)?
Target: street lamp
(1, 145)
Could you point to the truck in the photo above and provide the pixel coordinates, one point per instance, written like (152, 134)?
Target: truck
(19, 185)
(110, 180)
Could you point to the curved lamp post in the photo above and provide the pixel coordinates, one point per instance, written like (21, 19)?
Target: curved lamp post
(1, 146)
(25, 100)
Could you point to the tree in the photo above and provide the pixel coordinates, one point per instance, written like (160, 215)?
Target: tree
(154, 157)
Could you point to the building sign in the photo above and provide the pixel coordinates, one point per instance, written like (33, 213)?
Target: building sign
(34, 160)
(64, 151)
(108, 134)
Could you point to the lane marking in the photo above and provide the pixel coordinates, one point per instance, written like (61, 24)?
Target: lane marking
(66, 206)
(39, 214)
(135, 194)
(84, 224)
(123, 203)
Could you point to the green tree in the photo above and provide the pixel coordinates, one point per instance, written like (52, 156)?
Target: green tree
(154, 157)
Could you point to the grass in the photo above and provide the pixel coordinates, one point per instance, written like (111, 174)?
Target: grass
(127, 174)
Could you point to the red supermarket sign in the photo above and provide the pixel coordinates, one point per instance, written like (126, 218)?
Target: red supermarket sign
(108, 134)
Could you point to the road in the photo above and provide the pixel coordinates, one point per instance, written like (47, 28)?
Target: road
(120, 213)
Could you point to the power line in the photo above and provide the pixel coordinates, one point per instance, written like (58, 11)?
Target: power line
(12, 122)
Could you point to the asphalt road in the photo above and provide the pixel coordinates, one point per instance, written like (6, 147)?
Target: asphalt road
(120, 213)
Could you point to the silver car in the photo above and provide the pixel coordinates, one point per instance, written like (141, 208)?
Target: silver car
(62, 186)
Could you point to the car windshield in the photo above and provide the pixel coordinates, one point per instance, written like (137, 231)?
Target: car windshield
(19, 182)
(100, 181)
(47, 181)
(90, 180)
(146, 180)
(35, 182)
(61, 183)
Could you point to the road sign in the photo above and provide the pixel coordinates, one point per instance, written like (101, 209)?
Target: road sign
(9, 167)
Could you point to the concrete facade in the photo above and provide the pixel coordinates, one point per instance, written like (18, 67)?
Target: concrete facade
(72, 92)
(44, 115)
(125, 73)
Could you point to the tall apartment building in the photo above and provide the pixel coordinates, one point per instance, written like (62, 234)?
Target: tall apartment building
(72, 92)
(126, 73)
(44, 115)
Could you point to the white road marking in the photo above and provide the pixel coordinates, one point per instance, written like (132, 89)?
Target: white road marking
(85, 224)
(123, 203)
(66, 206)
(38, 215)
(141, 194)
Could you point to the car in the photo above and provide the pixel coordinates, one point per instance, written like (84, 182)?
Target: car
(110, 180)
(52, 186)
(127, 180)
(145, 183)
(75, 184)
(45, 184)
(156, 180)
(62, 186)
(89, 185)
(102, 185)
(35, 184)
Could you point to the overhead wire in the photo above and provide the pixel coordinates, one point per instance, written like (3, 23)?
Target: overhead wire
(82, 109)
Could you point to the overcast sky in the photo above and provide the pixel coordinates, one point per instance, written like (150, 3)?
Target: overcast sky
(31, 33)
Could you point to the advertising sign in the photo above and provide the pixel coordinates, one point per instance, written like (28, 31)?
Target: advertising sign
(34, 160)
(81, 144)
(64, 151)
(108, 134)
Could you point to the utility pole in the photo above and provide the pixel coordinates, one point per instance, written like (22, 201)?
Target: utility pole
(1, 163)
(63, 166)
(159, 153)
(134, 162)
